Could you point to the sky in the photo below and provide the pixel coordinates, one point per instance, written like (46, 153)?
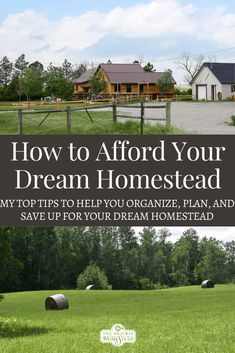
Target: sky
(158, 31)
(224, 234)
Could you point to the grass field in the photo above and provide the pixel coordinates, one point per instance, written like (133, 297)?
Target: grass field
(55, 124)
(180, 320)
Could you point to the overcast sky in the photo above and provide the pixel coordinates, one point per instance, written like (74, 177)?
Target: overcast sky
(157, 30)
(221, 233)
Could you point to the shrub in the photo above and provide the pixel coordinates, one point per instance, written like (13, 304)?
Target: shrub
(233, 120)
(183, 91)
(146, 284)
(1, 297)
(161, 286)
(92, 275)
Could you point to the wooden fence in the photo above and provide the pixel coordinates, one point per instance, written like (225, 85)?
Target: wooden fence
(68, 110)
(142, 116)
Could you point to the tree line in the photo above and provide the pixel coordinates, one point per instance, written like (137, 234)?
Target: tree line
(24, 80)
(53, 258)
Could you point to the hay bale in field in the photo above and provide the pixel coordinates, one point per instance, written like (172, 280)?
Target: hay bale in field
(56, 302)
(208, 283)
(91, 287)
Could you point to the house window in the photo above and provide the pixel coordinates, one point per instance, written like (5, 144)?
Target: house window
(233, 88)
(117, 87)
(128, 88)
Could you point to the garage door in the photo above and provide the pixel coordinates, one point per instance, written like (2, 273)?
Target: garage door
(201, 92)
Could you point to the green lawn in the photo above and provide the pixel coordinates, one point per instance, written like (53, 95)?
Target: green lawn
(55, 124)
(180, 320)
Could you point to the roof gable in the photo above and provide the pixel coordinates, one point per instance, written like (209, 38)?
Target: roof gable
(86, 76)
(224, 72)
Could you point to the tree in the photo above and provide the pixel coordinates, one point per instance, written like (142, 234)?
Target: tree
(10, 266)
(20, 65)
(109, 256)
(6, 69)
(148, 254)
(97, 83)
(128, 258)
(185, 257)
(68, 69)
(43, 259)
(230, 260)
(190, 65)
(13, 89)
(139, 60)
(57, 84)
(37, 65)
(213, 261)
(149, 67)
(165, 82)
(5, 251)
(68, 255)
(78, 70)
(92, 275)
(164, 250)
(31, 82)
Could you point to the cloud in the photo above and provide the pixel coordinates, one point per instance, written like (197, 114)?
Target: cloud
(24, 32)
(154, 19)
(167, 21)
(219, 26)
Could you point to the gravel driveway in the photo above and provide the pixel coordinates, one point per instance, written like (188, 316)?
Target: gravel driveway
(204, 118)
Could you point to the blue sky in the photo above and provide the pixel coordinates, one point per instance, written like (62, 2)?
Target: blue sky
(58, 9)
(155, 30)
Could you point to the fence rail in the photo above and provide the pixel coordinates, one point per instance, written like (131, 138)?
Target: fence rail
(142, 118)
(114, 106)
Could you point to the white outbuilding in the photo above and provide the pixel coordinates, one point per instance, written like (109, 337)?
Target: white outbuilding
(214, 81)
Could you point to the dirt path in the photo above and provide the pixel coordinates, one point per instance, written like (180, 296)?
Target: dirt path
(204, 118)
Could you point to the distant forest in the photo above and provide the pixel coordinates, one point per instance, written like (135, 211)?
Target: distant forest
(53, 258)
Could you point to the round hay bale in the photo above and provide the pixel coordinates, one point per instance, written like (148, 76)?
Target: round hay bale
(208, 283)
(91, 287)
(56, 302)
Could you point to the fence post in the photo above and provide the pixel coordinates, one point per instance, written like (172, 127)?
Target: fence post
(114, 112)
(68, 120)
(168, 114)
(142, 118)
(20, 122)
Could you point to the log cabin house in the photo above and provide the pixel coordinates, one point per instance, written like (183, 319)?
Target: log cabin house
(122, 79)
(81, 84)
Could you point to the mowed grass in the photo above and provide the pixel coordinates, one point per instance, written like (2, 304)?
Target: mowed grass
(55, 124)
(180, 320)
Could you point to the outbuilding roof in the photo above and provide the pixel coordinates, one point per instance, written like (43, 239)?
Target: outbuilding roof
(224, 72)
